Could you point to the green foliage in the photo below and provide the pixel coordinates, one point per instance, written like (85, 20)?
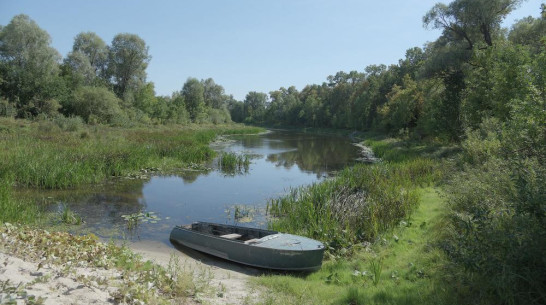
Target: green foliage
(194, 99)
(498, 201)
(499, 74)
(530, 32)
(42, 155)
(96, 105)
(404, 106)
(13, 210)
(69, 217)
(356, 206)
(94, 49)
(28, 65)
(127, 62)
(413, 269)
(133, 220)
(232, 163)
(254, 106)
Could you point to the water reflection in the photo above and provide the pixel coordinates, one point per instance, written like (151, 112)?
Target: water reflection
(279, 161)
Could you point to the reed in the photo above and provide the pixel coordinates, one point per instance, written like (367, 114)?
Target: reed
(69, 217)
(361, 202)
(16, 211)
(230, 162)
(40, 154)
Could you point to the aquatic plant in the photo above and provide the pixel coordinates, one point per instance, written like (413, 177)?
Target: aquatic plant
(133, 220)
(68, 216)
(230, 162)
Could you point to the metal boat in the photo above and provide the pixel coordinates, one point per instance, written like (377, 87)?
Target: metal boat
(251, 246)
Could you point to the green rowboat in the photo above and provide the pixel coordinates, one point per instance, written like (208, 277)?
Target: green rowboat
(251, 246)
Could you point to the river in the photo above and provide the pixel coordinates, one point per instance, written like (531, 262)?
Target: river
(280, 160)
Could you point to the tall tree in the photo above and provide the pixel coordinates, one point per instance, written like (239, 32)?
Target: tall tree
(78, 69)
(214, 94)
(470, 20)
(255, 105)
(194, 98)
(94, 48)
(530, 31)
(127, 62)
(28, 65)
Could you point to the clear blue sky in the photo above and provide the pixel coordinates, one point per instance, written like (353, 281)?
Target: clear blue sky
(246, 45)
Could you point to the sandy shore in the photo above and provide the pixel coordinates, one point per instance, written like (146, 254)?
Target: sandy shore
(223, 282)
(24, 280)
(41, 267)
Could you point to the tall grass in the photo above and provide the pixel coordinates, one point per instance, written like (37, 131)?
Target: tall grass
(231, 162)
(15, 211)
(361, 202)
(40, 154)
(357, 205)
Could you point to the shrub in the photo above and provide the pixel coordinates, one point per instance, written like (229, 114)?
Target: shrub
(72, 123)
(96, 105)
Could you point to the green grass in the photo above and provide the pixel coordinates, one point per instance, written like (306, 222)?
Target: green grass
(362, 201)
(381, 225)
(231, 162)
(40, 154)
(402, 267)
(16, 211)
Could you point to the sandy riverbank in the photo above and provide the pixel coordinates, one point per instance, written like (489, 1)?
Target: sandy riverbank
(40, 267)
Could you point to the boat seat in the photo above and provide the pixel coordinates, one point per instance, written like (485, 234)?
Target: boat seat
(252, 241)
(231, 236)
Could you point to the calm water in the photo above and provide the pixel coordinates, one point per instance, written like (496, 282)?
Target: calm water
(280, 160)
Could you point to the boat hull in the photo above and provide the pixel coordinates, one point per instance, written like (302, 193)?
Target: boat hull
(273, 253)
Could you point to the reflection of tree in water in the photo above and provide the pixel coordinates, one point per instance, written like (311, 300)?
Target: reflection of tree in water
(317, 154)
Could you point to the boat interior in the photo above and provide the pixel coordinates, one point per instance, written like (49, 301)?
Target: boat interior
(242, 234)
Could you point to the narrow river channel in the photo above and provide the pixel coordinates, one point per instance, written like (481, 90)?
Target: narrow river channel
(280, 160)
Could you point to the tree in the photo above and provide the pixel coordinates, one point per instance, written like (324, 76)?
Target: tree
(213, 94)
(194, 98)
(404, 106)
(145, 98)
(77, 68)
(254, 106)
(530, 31)
(127, 62)
(94, 48)
(29, 66)
(236, 110)
(470, 20)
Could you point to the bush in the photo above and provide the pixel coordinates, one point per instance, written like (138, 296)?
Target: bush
(97, 105)
(498, 209)
(72, 123)
(7, 109)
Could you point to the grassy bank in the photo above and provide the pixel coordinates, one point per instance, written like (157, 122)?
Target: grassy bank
(362, 201)
(379, 222)
(401, 267)
(41, 154)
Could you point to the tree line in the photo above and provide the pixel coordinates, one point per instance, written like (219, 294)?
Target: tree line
(474, 70)
(98, 82)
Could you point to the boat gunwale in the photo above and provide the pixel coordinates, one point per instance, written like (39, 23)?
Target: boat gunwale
(256, 245)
